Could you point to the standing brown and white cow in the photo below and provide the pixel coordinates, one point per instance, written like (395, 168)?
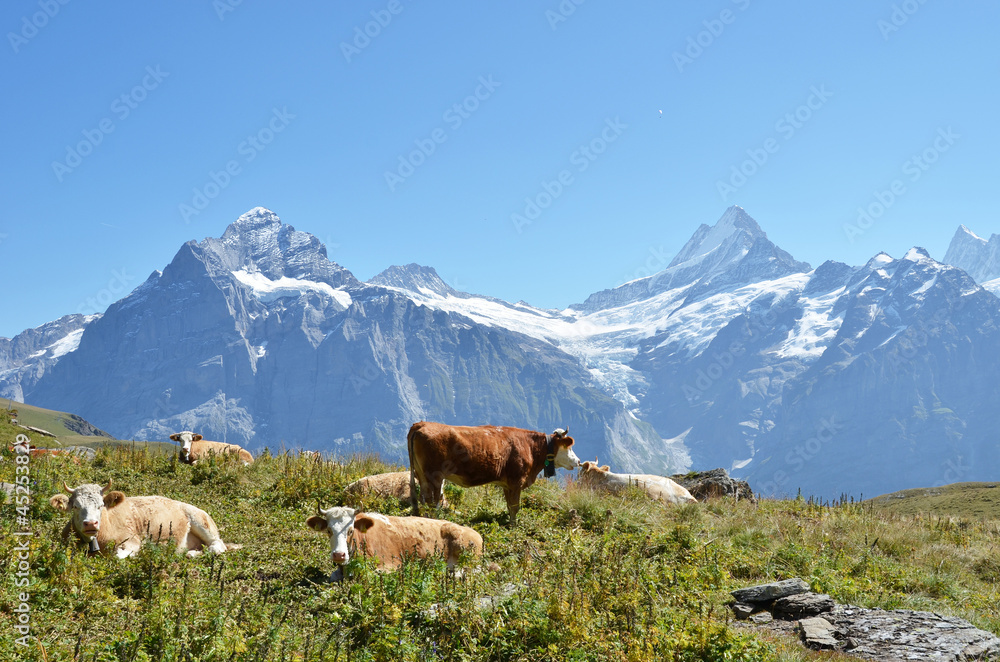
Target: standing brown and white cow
(100, 517)
(484, 455)
(194, 448)
(389, 540)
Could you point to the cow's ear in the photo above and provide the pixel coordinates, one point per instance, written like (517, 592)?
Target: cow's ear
(175, 437)
(606, 467)
(587, 465)
(60, 502)
(317, 523)
(362, 523)
(112, 499)
(197, 437)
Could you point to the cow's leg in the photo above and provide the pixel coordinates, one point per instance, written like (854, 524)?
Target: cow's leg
(127, 548)
(202, 534)
(434, 492)
(513, 496)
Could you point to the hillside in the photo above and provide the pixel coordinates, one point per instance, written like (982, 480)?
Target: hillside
(58, 423)
(969, 500)
(72, 430)
(595, 578)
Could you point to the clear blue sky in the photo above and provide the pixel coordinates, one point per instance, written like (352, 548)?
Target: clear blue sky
(197, 86)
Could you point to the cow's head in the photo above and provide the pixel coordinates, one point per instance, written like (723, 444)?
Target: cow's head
(185, 439)
(85, 503)
(565, 457)
(591, 472)
(337, 522)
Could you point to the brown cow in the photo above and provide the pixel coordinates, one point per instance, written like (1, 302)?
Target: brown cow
(484, 455)
(660, 488)
(194, 448)
(100, 517)
(389, 540)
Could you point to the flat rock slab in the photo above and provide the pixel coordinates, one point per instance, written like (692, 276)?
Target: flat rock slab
(818, 633)
(903, 635)
(892, 636)
(768, 592)
(803, 605)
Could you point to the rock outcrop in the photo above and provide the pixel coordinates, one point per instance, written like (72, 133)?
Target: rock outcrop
(715, 483)
(873, 634)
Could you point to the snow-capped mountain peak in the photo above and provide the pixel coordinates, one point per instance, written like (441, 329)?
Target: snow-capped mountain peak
(976, 256)
(731, 253)
(735, 222)
(414, 278)
(259, 242)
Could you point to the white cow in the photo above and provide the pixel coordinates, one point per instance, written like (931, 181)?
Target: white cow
(660, 488)
(100, 517)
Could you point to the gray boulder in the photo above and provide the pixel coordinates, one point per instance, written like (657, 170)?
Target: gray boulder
(803, 605)
(705, 485)
(765, 593)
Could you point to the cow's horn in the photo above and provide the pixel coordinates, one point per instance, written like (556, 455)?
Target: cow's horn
(68, 488)
(106, 487)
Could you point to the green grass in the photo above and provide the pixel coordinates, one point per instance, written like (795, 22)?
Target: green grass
(46, 419)
(56, 422)
(967, 500)
(599, 577)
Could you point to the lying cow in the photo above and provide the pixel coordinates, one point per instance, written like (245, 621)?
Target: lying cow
(194, 448)
(100, 517)
(485, 455)
(660, 488)
(394, 484)
(390, 539)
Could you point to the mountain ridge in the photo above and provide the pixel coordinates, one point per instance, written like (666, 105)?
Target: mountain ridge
(257, 337)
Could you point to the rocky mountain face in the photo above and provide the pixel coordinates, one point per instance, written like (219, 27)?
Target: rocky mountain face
(977, 257)
(734, 251)
(839, 379)
(257, 338)
(28, 356)
(974, 255)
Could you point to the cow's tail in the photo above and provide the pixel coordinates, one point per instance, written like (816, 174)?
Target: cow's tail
(413, 483)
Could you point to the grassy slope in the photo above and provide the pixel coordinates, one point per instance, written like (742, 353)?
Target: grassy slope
(969, 500)
(46, 419)
(600, 578)
(55, 422)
